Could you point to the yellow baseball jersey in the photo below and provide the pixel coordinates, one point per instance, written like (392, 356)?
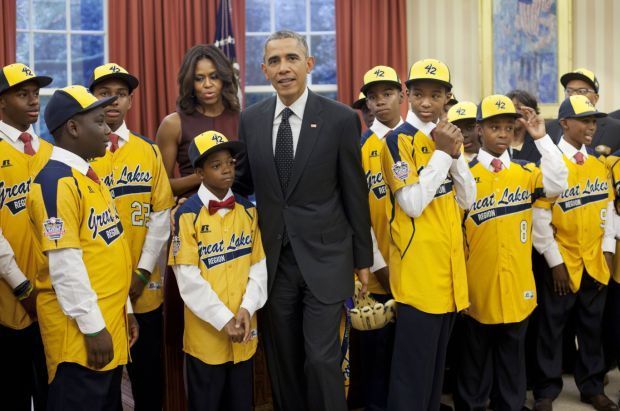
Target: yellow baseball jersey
(498, 230)
(69, 210)
(16, 173)
(613, 165)
(224, 248)
(427, 261)
(139, 185)
(579, 219)
(377, 191)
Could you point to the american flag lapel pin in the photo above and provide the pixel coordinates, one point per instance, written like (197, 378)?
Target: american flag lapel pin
(312, 125)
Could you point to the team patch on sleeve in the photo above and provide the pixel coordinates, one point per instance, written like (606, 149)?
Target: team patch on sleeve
(400, 169)
(176, 245)
(53, 228)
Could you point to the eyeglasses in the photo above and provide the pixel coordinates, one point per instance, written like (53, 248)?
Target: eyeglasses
(580, 91)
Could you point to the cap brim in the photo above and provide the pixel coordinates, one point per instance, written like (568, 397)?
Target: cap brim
(99, 103)
(235, 147)
(131, 81)
(408, 83)
(513, 115)
(595, 114)
(42, 81)
(365, 87)
(566, 78)
(358, 104)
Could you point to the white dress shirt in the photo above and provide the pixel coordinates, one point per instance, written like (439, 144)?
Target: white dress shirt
(9, 270)
(73, 290)
(381, 129)
(414, 198)
(11, 135)
(197, 293)
(553, 168)
(542, 231)
(298, 108)
(158, 226)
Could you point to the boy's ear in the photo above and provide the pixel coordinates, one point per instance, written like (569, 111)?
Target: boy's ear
(563, 124)
(199, 172)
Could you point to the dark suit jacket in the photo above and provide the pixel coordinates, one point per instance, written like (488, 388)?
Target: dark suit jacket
(615, 114)
(607, 132)
(529, 152)
(325, 209)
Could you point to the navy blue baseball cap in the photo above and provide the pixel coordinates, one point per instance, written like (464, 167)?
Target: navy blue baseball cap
(209, 142)
(69, 101)
(578, 106)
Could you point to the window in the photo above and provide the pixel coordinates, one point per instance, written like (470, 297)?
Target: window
(63, 39)
(314, 19)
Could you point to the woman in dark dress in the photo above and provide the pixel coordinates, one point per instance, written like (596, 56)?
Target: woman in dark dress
(523, 147)
(207, 101)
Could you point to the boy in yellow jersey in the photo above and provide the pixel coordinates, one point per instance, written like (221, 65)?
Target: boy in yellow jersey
(367, 115)
(427, 179)
(22, 154)
(132, 168)
(383, 90)
(498, 228)
(577, 241)
(463, 115)
(218, 260)
(84, 284)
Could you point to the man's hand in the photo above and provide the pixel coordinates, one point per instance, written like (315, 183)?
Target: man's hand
(235, 333)
(134, 329)
(362, 275)
(30, 304)
(609, 259)
(448, 138)
(99, 349)
(138, 284)
(533, 123)
(561, 284)
(242, 321)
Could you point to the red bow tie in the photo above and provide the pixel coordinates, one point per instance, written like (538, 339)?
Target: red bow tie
(216, 205)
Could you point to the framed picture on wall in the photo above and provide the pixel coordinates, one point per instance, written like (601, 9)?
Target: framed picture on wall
(526, 44)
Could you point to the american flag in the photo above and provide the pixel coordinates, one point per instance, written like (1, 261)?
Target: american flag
(225, 38)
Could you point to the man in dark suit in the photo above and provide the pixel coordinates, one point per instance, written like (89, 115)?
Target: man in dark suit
(614, 114)
(582, 81)
(303, 164)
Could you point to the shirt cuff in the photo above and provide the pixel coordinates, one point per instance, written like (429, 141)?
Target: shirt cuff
(545, 143)
(15, 278)
(129, 306)
(221, 317)
(440, 160)
(91, 322)
(553, 256)
(147, 261)
(609, 245)
(248, 305)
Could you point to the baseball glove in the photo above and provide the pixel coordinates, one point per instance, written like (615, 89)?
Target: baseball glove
(368, 314)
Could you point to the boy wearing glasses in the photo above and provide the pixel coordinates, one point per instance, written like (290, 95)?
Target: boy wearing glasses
(583, 82)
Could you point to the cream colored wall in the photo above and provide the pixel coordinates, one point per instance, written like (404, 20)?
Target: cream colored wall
(449, 30)
(596, 45)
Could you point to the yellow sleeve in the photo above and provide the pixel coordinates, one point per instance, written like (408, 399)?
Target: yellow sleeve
(397, 162)
(55, 209)
(258, 252)
(162, 197)
(184, 247)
